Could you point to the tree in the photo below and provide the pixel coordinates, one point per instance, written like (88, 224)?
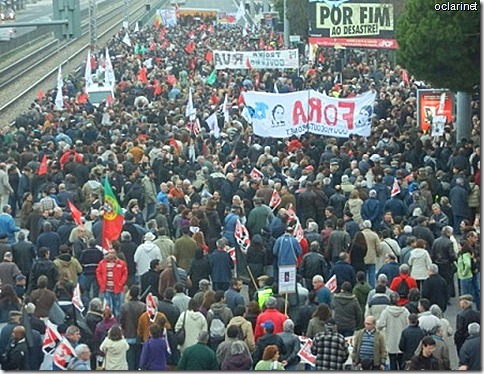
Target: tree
(440, 47)
(297, 14)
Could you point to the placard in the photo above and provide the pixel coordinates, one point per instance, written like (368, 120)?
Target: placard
(287, 279)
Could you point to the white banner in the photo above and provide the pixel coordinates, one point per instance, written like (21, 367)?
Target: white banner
(283, 59)
(285, 115)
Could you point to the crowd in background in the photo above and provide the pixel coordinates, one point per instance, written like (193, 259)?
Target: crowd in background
(395, 255)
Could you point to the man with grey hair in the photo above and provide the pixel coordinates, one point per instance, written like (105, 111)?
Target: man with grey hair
(470, 353)
(292, 345)
(8, 270)
(373, 251)
(463, 319)
(7, 224)
(372, 209)
(82, 359)
(434, 288)
(199, 356)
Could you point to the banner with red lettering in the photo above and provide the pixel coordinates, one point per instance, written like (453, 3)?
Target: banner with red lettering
(284, 115)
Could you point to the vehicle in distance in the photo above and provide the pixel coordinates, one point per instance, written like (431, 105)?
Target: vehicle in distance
(7, 33)
(6, 14)
(98, 93)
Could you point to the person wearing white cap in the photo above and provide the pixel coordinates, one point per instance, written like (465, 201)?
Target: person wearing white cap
(145, 253)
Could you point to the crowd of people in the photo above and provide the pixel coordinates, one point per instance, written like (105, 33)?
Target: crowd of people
(395, 217)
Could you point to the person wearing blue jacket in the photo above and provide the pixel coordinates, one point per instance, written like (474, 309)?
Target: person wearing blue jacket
(372, 210)
(286, 250)
(7, 224)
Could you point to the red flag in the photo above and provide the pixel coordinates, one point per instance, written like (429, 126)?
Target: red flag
(157, 22)
(190, 47)
(193, 63)
(174, 144)
(113, 217)
(275, 199)
(240, 100)
(43, 166)
(82, 98)
(51, 338)
(257, 80)
(157, 85)
(405, 77)
(76, 214)
(291, 213)
(151, 307)
(109, 100)
(40, 95)
(209, 56)
(63, 354)
(298, 231)
(280, 40)
(142, 75)
(248, 64)
(210, 28)
(152, 45)
(76, 298)
(321, 57)
(202, 27)
(162, 33)
(231, 252)
(395, 188)
(261, 43)
(256, 174)
(242, 235)
(332, 285)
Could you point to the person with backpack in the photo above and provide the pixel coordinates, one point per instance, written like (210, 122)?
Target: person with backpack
(218, 318)
(402, 284)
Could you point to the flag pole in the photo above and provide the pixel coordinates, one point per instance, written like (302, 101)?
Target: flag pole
(285, 305)
(252, 277)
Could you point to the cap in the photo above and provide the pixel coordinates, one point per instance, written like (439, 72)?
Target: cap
(263, 278)
(466, 297)
(20, 277)
(203, 283)
(267, 324)
(14, 313)
(150, 236)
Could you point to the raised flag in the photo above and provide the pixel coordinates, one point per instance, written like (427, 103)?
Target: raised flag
(88, 70)
(240, 11)
(242, 235)
(109, 78)
(190, 110)
(157, 20)
(240, 99)
(63, 354)
(225, 109)
(331, 284)
(196, 127)
(276, 90)
(51, 338)
(190, 47)
(248, 64)
(127, 40)
(395, 188)
(59, 99)
(76, 214)
(212, 77)
(151, 307)
(43, 166)
(209, 56)
(212, 123)
(405, 78)
(275, 199)
(136, 27)
(142, 75)
(280, 40)
(113, 217)
(256, 174)
(40, 94)
(231, 252)
(291, 213)
(171, 79)
(177, 10)
(76, 298)
(298, 231)
(210, 28)
(82, 98)
(261, 43)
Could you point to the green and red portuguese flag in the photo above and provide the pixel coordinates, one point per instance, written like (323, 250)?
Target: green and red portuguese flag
(113, 218)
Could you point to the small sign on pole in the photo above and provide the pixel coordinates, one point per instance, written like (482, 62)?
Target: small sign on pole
(287, 279)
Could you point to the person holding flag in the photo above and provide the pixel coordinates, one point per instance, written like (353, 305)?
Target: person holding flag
(65, 351)
(112, 217)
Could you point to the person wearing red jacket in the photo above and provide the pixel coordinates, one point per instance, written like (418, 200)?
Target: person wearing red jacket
(270, 314)
(111, 275)
(403, 276)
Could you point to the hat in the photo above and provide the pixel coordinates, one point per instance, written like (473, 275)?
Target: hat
(14, 313)
(267, 324)
(150, 236)
(309, 168)
(30, 308)
(203, 283)
(20, 277)
(466, 297)
(263, 278)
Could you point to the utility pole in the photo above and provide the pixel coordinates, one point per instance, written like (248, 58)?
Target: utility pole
(286, 26)
(126, 11)
(92, 23)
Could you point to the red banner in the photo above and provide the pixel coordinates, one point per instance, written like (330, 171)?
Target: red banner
(355, 42)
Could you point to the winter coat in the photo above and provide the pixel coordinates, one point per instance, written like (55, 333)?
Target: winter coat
(233, 298)
(120, 275)
(247, 331)
(347, 311)
(464, 266)
(339, 241)
(194, 323)
(292, 345)
(68, 265)
(379, 350)
(145, 253)
(287, 249)
(419, 262)
(458, 200)
(390, 269)
(376, 305)
(264, 341)
(144, 324)
(7, 226)
(330, 349)
(219, 309)
(154, 354)
(393, 320)
(409, 341)
(198, 357)
(373, 246)
(354, 206)
(470, 353)
(270, 314)
(222, 265)
(185, 248)
(372, 210)
(115, 354)
(344, 273)
(238, 362)
(315, 326)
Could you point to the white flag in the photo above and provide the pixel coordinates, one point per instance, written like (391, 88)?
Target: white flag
(212, 123)
(240, 11)
(126, 39)
(76, 298)
(88, 71)
(225, 109)
(136, 27)
(332, 284)
(59, 99)
(190, 111)
(109, 79)
(148, 63)
(276, 90)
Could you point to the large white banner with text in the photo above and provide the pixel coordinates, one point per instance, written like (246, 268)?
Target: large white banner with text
(284, 115)
(283, 59)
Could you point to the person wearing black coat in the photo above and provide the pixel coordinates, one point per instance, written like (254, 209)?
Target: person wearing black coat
(313, 263)
(23, 254)
(199, 269)
(343, 270)
(410, 337)
(434, 288)
(269, 338)
(17, 354)
(421, 231)
(167, 307)
(43, 266)
(470, 353)
(464, 318)
(151, 278)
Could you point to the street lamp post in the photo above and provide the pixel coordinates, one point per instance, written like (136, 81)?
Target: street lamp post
(286, 26)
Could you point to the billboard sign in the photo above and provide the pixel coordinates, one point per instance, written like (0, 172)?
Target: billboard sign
(374, 43)
(432, 106)
(351, 19)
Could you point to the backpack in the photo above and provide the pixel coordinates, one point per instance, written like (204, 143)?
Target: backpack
(217, 328)
(403, 289)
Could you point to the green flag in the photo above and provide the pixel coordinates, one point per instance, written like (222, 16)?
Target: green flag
(212, 77)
